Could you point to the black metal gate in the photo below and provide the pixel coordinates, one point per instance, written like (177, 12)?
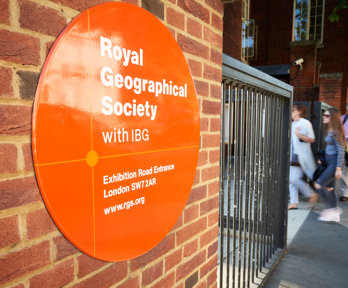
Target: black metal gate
(255, 138)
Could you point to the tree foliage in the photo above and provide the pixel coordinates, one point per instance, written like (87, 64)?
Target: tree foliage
(334, 14)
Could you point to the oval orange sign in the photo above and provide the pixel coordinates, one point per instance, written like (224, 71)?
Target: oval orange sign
(115, 131)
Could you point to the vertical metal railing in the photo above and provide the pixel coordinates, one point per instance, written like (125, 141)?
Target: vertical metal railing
(254, 172)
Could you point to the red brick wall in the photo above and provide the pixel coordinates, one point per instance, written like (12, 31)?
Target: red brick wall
(233, 29)
(304, 80)
(331, 89)
(33, 252)
(333, 55)
(274, 25)
(275, 19)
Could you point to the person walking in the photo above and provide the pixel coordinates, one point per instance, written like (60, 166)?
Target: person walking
(334, 156)
(302, 161)
(344, 179)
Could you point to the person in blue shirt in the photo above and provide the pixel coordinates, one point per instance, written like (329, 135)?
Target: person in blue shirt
(334, 156)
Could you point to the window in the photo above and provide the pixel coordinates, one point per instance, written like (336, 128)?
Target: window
(248, 39)
(248, 32)
(308, 20)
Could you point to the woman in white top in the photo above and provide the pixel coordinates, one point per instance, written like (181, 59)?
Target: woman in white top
(302, 161)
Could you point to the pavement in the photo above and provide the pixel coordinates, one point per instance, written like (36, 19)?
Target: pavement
(317, 252)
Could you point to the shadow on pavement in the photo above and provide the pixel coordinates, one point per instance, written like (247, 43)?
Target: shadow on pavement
(317, 257)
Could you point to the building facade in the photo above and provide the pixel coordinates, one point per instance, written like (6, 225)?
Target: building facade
(275, 34)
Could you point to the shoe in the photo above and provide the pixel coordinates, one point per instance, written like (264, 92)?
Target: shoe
(343, 198)
(292, 206)
(329, 215)
(339, 211)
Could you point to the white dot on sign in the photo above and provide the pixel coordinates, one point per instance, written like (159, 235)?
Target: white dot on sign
(92, 158)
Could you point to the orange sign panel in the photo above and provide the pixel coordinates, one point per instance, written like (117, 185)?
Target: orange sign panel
(115, 131)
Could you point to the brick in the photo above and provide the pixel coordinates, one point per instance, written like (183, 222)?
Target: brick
(194, 28)
(19, 48)
(195, 68)
(197, 179)
(217, 5)
(6, 80)
(211, 141)
(197, 194)
(58, 276)
(214, 156)
(211, 107)
(232, 27)
(213, 38)
(27, 84)
(107, 277)
(191, 248)
(213, 188)
(188, 267)
(28, 158)
(178, 223)
(202, 88)
(8, 158)
(167, 282)
(155, 7)
(162, 248)
(215, 92)
(88, 265)
(131, 283)
(202, 158)
(192, 280)
(9, 232)
(213, 248)
(202, 284)
(216, 57)
(209, 205)
(196, 9)
(215, 125)
(39, 223)
(81, 5)
(204, 124)
(212, 73)
(193, 47)
(190, 230)
(15, 120)
(209, 266)
(152, 273)
(210, 173)
(213, 218)
(173, 259)
(216, 21)
(49, 45)
(208, 236)
(5, 11)
(18, 192)
(212, 277)
(191, 213)
(16, 264)
(172, 31)
(41, 19)
(175, 18)
(64, 248)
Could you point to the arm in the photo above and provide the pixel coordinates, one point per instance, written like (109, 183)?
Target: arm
(340, 158)
(305, 133)
(305, 138)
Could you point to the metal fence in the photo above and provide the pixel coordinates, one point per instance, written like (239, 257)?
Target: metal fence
(255, 139)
